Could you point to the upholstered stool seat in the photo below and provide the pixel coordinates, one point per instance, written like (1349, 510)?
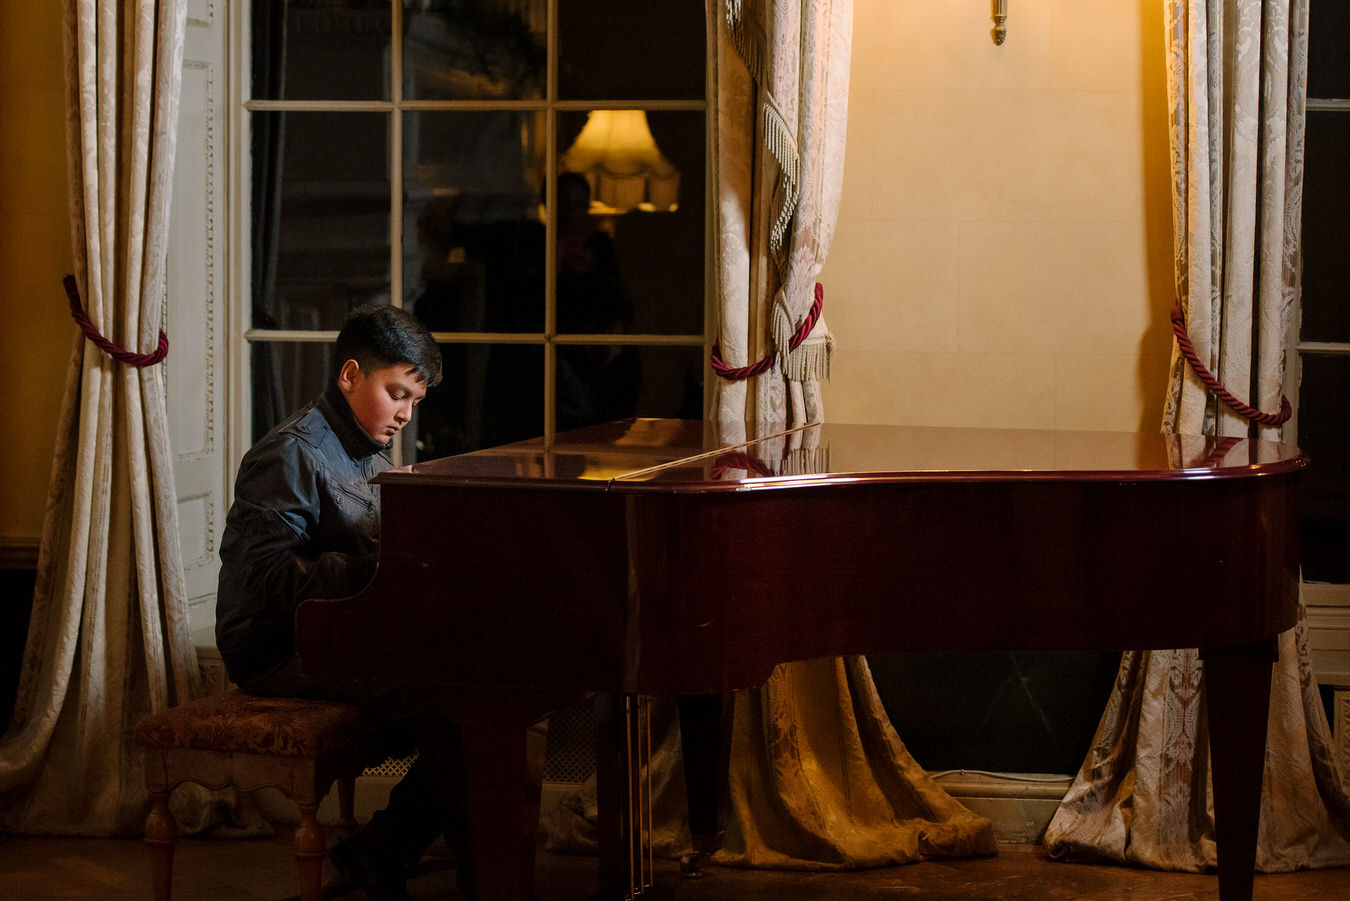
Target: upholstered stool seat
(299, 747)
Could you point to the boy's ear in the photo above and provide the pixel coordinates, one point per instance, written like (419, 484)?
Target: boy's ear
(348, 374)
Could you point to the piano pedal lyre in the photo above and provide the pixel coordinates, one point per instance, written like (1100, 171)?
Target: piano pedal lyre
(624, 793)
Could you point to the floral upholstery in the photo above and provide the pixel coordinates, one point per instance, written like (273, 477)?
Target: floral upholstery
(234, 721)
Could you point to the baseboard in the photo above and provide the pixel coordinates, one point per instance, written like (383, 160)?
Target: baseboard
(1020, 805)
(1329, 631)
(19, 551)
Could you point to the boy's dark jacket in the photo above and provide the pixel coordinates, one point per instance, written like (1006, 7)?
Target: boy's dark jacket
(304, 524)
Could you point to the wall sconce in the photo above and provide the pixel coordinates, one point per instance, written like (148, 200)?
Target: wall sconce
(619, 157)
(1000, 17)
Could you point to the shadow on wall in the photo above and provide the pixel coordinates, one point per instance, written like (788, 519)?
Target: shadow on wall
(1156, 343)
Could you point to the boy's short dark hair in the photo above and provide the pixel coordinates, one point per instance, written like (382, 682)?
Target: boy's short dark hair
(378, 335)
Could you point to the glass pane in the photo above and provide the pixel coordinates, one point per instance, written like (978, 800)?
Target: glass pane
(320, 50)
(620, 50)
(623, 268)
(473, 239)
(604, 382)
(1328, 38)
(490, 394)
(320, 207)
(474, 49)
(1324, 435)
(1326, 229)
(286, 376)
(1024, 712)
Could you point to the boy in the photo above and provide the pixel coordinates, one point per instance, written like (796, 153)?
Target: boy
(305, 524)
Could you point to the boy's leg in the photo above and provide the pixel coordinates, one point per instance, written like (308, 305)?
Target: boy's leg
(426, 802)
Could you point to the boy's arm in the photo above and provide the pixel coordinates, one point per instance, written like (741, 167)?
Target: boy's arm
(271, 536)
(281, 573)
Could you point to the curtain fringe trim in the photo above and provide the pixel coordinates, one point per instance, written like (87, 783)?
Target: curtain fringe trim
(779, 141)
(778, 137)
(810, 361)
(750, 52)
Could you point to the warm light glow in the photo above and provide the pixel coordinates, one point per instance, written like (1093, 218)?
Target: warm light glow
(619, 157)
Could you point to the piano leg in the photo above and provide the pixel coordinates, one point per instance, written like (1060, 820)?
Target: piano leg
(503, 816)
(705, 744)
(1237, 691)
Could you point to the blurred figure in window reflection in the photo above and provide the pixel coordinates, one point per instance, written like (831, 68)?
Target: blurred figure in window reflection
(596, 382)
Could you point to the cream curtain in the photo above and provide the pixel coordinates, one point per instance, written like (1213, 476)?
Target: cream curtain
(108, 639)
(818, 778)
(1237, 80)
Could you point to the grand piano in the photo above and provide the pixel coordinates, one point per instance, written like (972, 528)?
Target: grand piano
(659, 557)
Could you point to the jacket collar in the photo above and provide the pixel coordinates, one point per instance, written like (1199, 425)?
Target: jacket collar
(334, 407)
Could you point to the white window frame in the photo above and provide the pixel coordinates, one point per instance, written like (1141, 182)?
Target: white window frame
(1328, 603)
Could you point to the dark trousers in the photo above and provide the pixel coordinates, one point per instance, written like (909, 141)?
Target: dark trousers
(429, 800)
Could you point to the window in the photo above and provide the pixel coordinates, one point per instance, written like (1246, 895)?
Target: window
(415, 152)
(1320, 361)
(1323, 348)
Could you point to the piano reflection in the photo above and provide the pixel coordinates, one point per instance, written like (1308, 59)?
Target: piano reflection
(646, 558)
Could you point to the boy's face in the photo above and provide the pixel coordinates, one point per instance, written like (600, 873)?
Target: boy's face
(382, 399)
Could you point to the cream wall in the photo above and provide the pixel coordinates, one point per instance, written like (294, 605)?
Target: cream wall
(35, 327)
(1003, 252)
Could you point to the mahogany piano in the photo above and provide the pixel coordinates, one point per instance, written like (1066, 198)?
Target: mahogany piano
(659, 557)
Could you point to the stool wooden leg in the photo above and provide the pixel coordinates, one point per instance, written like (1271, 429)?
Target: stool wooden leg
(309, 853)
(346, 787)
(161, 832)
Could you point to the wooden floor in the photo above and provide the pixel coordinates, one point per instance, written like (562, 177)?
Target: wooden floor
(240, 869)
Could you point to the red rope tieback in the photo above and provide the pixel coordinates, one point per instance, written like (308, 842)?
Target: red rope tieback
(112, 350)
(1237, 406)
(745, 372)
(1221, 449)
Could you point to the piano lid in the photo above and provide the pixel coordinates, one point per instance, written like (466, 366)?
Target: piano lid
(689, 455)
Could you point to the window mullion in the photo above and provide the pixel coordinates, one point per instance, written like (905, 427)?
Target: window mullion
(396, 158)
(551, 224)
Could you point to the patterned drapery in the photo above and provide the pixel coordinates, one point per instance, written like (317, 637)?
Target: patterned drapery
(1237, 73)
(108, 638)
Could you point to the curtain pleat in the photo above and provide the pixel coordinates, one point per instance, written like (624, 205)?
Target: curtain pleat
(1237, 73)
(108, 639)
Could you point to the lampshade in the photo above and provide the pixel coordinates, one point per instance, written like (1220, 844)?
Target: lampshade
(619, 157)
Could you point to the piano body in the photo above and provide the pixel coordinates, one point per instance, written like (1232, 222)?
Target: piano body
(643, 557)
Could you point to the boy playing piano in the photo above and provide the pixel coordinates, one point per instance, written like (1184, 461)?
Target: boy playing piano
(305, 524)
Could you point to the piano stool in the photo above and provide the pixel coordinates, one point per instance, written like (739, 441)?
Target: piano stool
(234, 740)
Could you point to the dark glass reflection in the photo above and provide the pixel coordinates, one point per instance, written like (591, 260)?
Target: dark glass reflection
(474, 49)
(657, 257)
(1015, 712)
(1324, 435)
(286, 376)
(604, 382)
(619, 50)
(1326, 229)
(320, 210)
(1328, 38)
(490, 394)
(320, 50)
(473, 245)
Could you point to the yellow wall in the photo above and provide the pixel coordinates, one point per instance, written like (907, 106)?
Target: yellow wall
(35, 326)
(1003, 253)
